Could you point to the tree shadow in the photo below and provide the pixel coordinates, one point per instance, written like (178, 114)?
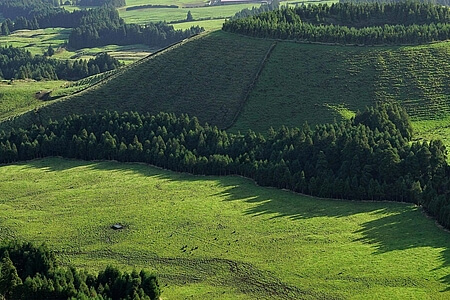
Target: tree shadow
(396, 226)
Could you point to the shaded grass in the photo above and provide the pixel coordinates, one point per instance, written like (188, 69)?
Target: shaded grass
(224, 237)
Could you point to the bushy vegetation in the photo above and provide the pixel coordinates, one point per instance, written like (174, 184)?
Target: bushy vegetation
(371, 157)
(345, 23)
(17, 63)
(109, 28)
(30, 272)
(443, 2)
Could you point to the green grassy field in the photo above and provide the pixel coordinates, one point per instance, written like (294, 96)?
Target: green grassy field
(18, 96)
(208, 25)
(224, 237)
(37, 42)
(142, 16)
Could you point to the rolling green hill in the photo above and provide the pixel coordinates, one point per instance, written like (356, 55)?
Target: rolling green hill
(212, 76)
(223, 237)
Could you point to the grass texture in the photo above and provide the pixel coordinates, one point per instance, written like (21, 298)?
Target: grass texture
(224, 237)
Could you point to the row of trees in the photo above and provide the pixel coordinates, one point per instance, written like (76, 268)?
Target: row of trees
(345, 23)
(371, 157)
(366, 14)
(101, 26)
(17, 63)
(30, 272)
(442, 2)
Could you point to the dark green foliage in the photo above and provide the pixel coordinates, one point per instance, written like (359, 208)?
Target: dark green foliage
(30, 272)
(104, 26)
(98, 27)
(371, 157)
(346, 23)
(20, 64)
(442, 2)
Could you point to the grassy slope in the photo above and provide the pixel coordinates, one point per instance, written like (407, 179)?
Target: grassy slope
(206, 77)
(318, 83)
(223, 237)
(18, 96)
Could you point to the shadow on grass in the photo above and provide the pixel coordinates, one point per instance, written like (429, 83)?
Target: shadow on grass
(396, 226)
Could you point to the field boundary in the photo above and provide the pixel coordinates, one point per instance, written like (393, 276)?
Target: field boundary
(252, 84)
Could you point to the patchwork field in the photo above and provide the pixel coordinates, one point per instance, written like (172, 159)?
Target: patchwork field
(37, 42)
(224, 237)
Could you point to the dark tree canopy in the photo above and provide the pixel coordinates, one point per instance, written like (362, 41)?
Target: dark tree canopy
(30, 272)
(347, 23)
(17, 63)
(371, 157)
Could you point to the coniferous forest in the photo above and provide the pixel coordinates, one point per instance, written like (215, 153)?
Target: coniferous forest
(90, 28)
(30, 272)
(371, 157)
(17, 63)
(347, 23)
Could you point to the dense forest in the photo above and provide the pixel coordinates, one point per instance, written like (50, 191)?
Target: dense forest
(100, 26)
(370, 157)
(104, 27)
(17, 63)
(30, 272)
(347, 23)
(442, 2)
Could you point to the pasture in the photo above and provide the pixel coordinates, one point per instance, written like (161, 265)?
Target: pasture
(37, 42)
(224, 237)
(320, 83)
(18, 96)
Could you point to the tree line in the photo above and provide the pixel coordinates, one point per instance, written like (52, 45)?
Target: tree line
(441, 2)
(104, 27)
(371, 157)
(347, 23)
(17, 63)
(30, 272)
(98, 27)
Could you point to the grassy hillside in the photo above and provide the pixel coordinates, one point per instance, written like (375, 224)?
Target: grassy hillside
(210, 76)
(223, 237)
(207, 77)
(319, 83)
